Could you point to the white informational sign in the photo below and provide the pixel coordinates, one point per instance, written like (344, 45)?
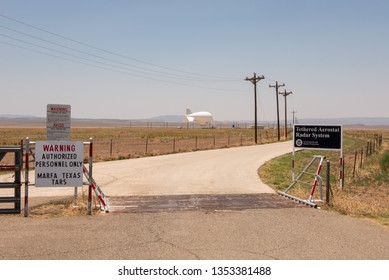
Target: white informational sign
(58, 122)
(59, 164)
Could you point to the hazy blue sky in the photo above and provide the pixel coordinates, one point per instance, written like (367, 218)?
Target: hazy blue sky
(147, 58)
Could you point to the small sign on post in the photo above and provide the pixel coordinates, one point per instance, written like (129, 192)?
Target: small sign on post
(59, 164)
(58, 122)
(325, 137)
(328, 137)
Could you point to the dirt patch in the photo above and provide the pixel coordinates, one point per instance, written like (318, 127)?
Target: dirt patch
(63, 208)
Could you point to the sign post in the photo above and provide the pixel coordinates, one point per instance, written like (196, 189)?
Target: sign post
(326, 137)
(58, 122)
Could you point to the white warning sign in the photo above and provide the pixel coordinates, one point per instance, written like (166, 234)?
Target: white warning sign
(59, 164)
(58, 122)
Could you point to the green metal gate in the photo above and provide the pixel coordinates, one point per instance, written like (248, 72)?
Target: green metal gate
(16, 168)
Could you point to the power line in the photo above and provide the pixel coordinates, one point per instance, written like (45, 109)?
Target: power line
(146, 70)
(198, 75)
(112, 69)
(117, 54)
(105, 61)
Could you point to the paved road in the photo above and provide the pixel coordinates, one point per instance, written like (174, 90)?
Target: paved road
(224, 171)
(287, 233)
(275, 232)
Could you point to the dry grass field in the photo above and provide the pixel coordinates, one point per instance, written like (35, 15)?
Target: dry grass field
(126, 142)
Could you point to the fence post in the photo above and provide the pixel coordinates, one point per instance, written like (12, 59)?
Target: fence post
(90, 176)
(110, 148)
(26, 178)
(361, 157)
(328, 184)
(355, 162)
(344, 175)
(380, 140)
(147, 145)
(18, 175)
(196, 143)
(174, 144)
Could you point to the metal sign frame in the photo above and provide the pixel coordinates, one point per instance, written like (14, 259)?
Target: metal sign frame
(87, 173)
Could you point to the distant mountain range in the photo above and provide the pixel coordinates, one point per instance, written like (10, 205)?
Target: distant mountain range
(348, 121)
(168, 118)
(18, 120)
(338, 121)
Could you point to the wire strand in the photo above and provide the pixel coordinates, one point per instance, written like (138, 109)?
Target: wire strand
(111, 69)
(117, 54)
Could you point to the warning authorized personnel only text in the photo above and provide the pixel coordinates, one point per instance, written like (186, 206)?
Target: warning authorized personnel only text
(59, 164)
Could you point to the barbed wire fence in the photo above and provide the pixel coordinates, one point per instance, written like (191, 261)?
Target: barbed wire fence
(112, 149)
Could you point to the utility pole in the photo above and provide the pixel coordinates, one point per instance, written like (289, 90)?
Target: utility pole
(294, 112)
(255, 79)
(285, 94)
(277, 86)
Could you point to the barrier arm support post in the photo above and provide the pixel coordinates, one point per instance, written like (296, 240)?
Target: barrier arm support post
(341, 167)
(90, 176)
(293, 160)
(26, 172)
(293, 153)
(328, 182)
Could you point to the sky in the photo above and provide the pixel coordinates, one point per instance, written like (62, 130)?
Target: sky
(131, 59)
